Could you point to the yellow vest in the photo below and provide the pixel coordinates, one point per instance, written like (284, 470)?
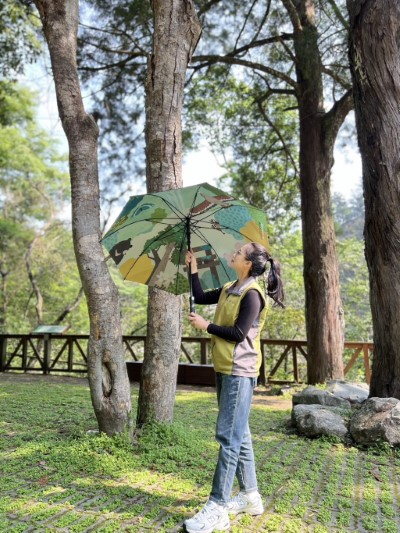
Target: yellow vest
(229, 357)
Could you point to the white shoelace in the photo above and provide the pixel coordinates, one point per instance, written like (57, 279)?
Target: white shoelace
(207, 512)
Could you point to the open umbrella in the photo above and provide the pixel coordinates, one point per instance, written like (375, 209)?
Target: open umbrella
(149, 239)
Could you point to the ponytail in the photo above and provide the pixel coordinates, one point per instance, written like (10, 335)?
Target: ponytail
(259, 258)
(274, 283)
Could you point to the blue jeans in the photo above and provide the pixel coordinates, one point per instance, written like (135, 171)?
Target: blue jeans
(236, 455)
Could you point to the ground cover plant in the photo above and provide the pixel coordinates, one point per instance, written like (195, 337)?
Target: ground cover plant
(54, 476)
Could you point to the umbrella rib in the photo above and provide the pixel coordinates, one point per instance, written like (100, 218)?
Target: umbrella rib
(158, 220)
(179, 265)
(221, 227)
(173, 207)
(194, 200)
(199, 234)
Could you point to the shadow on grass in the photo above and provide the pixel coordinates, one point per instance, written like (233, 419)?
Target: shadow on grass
(54, 477)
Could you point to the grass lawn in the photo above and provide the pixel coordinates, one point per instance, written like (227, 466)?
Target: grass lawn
(56, 478)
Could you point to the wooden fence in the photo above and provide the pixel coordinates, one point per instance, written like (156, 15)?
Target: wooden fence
(284, 361)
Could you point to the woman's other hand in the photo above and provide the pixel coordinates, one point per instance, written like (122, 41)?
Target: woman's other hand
(198, 321)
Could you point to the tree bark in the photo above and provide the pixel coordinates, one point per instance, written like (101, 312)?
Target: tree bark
(318, 130)
(108, 380)
(176, 33)
(375, 65)
(4, 298)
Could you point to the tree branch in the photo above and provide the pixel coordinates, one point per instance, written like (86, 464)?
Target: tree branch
(213, 59)
(262, 21)
(207, 7)
(341, 81)
(245, 22)
(339, 14)
(129, 53)
(69, 308)
(121, 63)
(334, 118)
(280, 136)
(293, 14)
(261, 42)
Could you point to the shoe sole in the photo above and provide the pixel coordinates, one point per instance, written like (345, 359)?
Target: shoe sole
(220, 527)
(252, 512)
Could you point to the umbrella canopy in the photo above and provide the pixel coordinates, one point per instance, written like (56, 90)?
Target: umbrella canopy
(149, 239)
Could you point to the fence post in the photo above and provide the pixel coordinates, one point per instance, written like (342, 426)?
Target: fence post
(24, 353)
(46, 353)
(203, 351)
(295, 367)
(3, 353)
(70, 354)
(366, 364)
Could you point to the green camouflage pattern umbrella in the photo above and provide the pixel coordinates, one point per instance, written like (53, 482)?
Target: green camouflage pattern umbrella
(150, 237)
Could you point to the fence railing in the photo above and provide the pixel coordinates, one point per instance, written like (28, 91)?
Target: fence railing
(284, 361)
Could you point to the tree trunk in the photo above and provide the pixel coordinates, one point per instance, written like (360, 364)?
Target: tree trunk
(107, 372)
(375, 66)
(318, 130)
(176, 33)
(4, 299)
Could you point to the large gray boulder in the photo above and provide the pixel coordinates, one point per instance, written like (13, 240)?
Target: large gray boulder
(311, 395)
(318, 420)
(377, 420)
(355, 393)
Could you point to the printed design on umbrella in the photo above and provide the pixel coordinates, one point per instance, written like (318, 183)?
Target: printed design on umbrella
(149, 239)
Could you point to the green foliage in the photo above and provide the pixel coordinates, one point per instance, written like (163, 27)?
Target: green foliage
(54, 475)
(34, 193)
(257, 141)
(355, 289)
(116, 83)
(353, 280)
(349, 216)
(19, 43)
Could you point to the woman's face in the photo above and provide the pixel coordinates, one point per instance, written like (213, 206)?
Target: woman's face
(239, 261)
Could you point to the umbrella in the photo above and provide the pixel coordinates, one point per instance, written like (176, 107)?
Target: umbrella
(149, 239)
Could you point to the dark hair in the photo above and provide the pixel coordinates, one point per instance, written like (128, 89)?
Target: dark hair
(259, 258)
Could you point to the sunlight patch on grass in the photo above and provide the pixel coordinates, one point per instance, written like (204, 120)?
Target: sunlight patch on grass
(54, 476)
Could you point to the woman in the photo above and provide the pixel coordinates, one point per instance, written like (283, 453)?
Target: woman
(236, 355)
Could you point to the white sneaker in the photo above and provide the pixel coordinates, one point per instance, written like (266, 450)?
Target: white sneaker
(246, 503)
(212, 517)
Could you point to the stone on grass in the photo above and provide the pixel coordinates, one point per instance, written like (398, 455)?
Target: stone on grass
(355, 393)
(377, 420)
(311, 395)
(318, 420)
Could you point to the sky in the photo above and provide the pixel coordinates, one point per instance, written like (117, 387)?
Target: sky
(199, 166)
(202, 166)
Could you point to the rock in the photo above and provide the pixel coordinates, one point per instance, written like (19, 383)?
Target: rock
(377, 420)
(312, 395)
(355, 393)
(285, 389)
(318, 420)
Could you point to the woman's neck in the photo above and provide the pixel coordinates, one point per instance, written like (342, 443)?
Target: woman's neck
(242, 278)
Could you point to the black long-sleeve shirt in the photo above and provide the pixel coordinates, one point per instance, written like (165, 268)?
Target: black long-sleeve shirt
(250, 307)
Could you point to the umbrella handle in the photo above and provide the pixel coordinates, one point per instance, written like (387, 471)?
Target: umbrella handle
(191, 297)
(191, 301)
